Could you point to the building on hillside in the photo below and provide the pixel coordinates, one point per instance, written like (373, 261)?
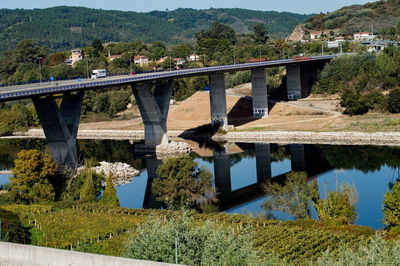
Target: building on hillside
(141, 60)
(359, 36)
(113, 57)
(161, 60)
(339, 39)
(315, 35)
(179, 61)
(194, 58)
(76, 55)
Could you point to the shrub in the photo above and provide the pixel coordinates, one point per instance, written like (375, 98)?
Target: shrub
(110, 193)
(354, 102)
(391, 206)
(394, 101)
(207, 244)
(87, 192)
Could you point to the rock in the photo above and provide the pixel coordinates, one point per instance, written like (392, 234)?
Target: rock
(122, 172)
(174, 148)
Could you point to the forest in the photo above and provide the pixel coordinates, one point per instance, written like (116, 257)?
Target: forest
(64, 28)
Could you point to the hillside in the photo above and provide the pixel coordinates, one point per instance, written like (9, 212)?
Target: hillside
(63, 28)
(381, 15)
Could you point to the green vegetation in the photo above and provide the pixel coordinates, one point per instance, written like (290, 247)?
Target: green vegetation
(32, 179)
(205, 244)
(391, 208)
(109, 196)
(63, 28)
(180, 183)
(383, 15)
(88, 193)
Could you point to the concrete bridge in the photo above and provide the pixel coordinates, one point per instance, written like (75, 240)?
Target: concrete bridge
(153, 92)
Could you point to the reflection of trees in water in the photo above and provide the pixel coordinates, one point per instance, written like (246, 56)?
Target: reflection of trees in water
(363, 158)
(10, 147)
(109, 151)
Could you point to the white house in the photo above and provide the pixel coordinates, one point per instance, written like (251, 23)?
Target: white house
(194, 58)
(141, 60)
(358, 36)
(315, 35)
(76, 55)
(179, 61)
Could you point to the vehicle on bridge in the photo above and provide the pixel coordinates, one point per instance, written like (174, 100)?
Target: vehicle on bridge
(301, 58)
(99, 73)
(254, 60)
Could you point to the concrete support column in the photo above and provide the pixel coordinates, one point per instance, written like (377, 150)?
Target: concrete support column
(60, 125)
(222, 172)
(263, 162)
(218, 100)
(297, 155)
(259, 93)
(150, 201)
(293, 78)
(154, 110)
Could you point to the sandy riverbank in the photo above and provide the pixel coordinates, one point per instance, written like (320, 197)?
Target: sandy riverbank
(339, 138)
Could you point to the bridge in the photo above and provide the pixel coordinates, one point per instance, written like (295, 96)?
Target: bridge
(152, 92)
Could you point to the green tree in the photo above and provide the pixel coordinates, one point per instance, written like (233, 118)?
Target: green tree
(394, 101)
(354, 102)
(31, 177)
(339, 207)
(97, 46)
(293, 198)
(182, 50)
(260, 33)
(391, 206)
(181, 183)
(110, 193)
(88, 192)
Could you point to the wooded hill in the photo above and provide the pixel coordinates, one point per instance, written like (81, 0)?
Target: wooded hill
(382, 15)
(63, 28)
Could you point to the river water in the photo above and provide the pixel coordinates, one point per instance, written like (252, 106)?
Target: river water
(239, 171)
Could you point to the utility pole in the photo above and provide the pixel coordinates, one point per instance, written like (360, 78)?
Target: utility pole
(170, 61)
(259, 48)
(322, 45)
(204, 56)
(87, 66)
(130, 62)
(40, 70)
(234, 54)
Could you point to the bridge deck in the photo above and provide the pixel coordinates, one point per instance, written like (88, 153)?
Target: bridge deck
(47, 88)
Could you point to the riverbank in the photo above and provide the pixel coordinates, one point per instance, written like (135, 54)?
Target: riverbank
(305, 137)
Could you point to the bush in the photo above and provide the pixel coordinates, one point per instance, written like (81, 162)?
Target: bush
(354, 102)
(391, 206)
(110, 193)
(394, 101)
(88, 192)
(207, 244)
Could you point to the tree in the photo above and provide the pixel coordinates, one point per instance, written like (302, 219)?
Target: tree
(110, 193)
(293, 198)
(88, 192)
(218, 31)
(182, 50)
(354, 102)
(339, 207)
(394, 101)
(31, 177)
(391, 206)
(181, 183)
(97, 46)
(260, 33)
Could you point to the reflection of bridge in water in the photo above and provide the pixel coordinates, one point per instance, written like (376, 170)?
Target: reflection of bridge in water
(303, 158)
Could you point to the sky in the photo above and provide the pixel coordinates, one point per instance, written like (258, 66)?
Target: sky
(295, 6)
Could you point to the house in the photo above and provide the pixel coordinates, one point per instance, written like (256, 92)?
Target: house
(179, 61)
(141, 60)
(113, 57)
(194, 58)
(76, 55)
(358, 36)
(161, 60)
(339, 39)
(315, 35)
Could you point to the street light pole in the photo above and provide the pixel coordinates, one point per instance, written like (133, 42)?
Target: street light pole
(40, 70)
(234, 54)
(204, 56)
(87, 66)
(130, 62)
(170, 61)
(259, 47)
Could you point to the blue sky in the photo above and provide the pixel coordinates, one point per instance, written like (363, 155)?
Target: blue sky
(296, 6)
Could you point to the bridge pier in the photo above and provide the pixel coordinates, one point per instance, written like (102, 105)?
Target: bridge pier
(154, 111)
(218, 100)
(222, 172)
(60, 125)
(263, 162)
(300, 78)
(297, 156)
(259, 93)
(150, 202)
